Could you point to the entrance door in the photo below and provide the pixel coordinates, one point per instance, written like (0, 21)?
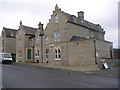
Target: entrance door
(29, 54)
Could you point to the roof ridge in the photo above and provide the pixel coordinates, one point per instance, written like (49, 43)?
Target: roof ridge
(9, 29)
(29, 27)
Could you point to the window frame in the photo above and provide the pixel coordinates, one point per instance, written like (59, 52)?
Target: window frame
(37, 53)
(37, 40)
(56, 18)
(57, 54)
(46, 40)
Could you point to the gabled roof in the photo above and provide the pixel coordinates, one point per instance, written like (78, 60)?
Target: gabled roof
(10, 32)
(75, 38)
(29, 30)
(81, 22)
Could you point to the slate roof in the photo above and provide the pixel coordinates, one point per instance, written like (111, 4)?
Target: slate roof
(29, 30)
(10, 32)
(75, 38)
(84, 23)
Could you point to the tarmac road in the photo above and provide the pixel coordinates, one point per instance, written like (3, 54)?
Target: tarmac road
(18, 76)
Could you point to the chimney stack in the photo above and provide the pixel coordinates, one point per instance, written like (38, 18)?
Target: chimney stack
(81, 15)
(40, 27)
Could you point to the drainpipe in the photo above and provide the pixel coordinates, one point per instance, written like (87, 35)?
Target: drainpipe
(95, 51)
(41, 50)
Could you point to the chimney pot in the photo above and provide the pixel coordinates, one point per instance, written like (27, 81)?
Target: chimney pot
(81, 15)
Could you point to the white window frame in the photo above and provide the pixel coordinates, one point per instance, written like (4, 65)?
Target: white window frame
(58, 36)
(37, 40)
(46, 54)
(57, 54)
(46, 39)
(55, 36)
(37, 53)
(56, 18)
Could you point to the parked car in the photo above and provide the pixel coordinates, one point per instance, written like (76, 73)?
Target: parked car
(6, 58)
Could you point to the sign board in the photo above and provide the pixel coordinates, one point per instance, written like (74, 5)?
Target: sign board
(52, 46)
(105, 65)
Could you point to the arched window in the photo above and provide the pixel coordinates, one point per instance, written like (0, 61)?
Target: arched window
(57, 54)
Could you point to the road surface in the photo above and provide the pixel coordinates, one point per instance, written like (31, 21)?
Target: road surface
(18, 76)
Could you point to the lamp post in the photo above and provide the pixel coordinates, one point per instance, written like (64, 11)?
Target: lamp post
(40, 27)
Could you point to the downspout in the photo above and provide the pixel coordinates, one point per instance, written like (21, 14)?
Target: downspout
(95, 51)
(41, 50)
(67, 54)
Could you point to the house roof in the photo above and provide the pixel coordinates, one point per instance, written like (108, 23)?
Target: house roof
(84, 23)
(29, 30)
(75, 38)
(10, 32)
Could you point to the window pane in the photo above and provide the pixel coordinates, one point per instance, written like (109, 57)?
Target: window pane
(58, 50)
(46, 50)
(37, 40)
(46, 39)
(38, 52)
(58, 55)
(56, 18)
(58, 36)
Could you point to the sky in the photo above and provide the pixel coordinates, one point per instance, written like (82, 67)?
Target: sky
(31, 12)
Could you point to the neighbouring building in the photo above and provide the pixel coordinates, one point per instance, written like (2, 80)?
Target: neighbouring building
(116, 53)
(0, 45)
(25, 43)
(8, 37)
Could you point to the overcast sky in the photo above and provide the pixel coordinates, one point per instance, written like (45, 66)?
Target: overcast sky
(31, 12)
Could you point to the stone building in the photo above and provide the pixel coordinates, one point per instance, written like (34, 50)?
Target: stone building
(25, 43)
(39, 43)
(8, 37)
(66, 40)
(71, 40)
